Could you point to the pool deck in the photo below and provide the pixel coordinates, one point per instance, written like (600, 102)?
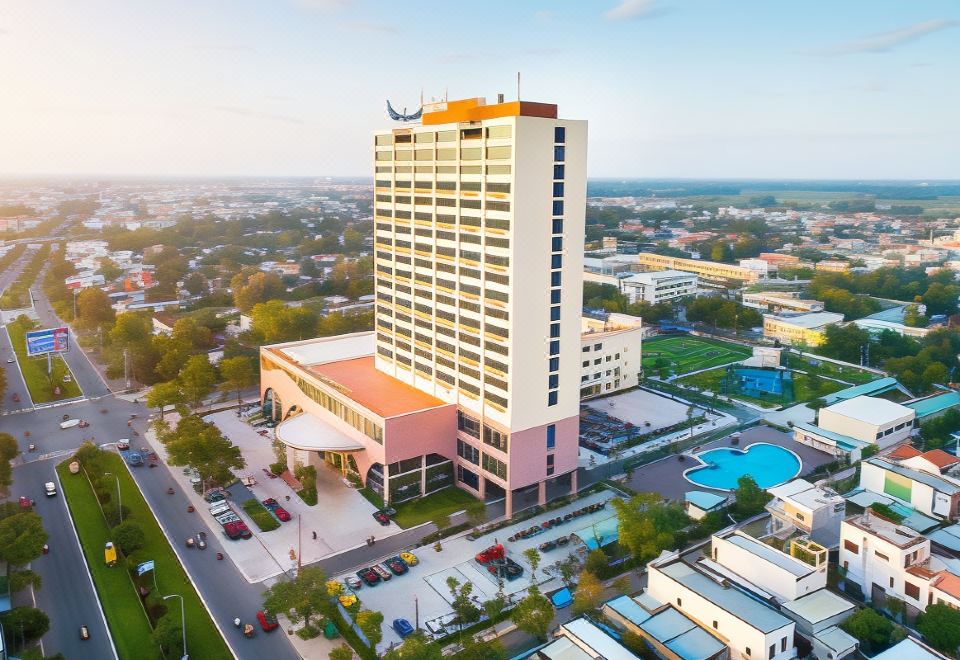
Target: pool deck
(666, 477)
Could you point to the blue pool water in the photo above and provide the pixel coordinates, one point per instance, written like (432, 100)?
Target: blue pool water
(769, 465)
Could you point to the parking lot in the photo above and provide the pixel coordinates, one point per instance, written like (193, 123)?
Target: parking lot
(342, 518)
(425, 585)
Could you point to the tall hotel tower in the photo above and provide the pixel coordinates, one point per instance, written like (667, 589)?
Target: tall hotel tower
(479, 214)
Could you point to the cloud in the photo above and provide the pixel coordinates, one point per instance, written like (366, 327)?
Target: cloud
(884, 42)
(224, 47)
(256, 114)
(543, 15)
(634, 10)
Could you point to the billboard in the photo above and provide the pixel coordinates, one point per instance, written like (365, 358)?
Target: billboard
(51, 340)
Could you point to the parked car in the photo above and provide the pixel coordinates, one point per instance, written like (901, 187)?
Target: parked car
(490, 554)
(382, 572)
(396, 565)
(409, 558)
(215, 496)
(271, 504)
(267, 621)
(123, 444)
(134, 459)
(381, 518)
(403, 627)
(84, 633)
(368, 575)
(353, 582)
(282, 514)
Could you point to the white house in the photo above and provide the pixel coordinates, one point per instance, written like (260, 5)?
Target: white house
(751, 629)
(814, 510)
(926, 490)
(785, 577)
(659, 286)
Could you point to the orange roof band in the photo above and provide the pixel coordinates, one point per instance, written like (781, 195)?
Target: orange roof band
(450, 112)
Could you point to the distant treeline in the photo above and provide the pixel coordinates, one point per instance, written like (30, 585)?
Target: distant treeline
(683, 188)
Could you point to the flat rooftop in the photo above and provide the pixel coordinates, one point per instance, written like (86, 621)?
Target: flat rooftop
(770, 555)
(376, 391)
(803, 493)
(818, 606)
(809, 321)
(736, 602)
(871, 409)
(898, 535)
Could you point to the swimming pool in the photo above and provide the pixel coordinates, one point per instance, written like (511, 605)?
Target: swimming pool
(769, 465)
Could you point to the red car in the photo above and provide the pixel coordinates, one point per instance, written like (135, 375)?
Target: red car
(490, 554)
(368, 575)
(278, 511)
(267, 621)
(381, 518)
(236, 530)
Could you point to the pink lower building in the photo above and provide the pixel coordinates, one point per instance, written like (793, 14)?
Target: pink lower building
(335, 409)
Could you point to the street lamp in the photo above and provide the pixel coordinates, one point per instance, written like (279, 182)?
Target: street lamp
(183, 623)
(119, 495)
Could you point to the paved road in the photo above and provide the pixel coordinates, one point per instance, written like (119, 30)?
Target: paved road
(15, 381)
(86, 375)
(227, 593)
(66, 595)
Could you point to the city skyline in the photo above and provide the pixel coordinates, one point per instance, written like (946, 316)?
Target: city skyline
(672, 89)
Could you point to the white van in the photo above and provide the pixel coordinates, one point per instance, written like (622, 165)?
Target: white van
(218, 508)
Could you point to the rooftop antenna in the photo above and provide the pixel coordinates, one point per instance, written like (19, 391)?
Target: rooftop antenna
(518, 85)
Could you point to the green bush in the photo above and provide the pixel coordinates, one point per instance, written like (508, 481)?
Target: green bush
(128, 536)
(259, 514)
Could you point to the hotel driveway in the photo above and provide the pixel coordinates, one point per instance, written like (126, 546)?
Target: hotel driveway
(666, 476)
(342, 518)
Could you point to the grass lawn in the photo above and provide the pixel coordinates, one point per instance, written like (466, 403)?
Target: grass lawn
(710, 381)
(35, 369)
(263, 518)
(424, 509)
(829, 369)
(687, 354)
(128, 623)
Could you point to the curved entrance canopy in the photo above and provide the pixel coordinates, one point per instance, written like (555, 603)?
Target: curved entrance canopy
(310, 433)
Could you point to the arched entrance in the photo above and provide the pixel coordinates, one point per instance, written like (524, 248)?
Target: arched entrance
(272, 406)
(294, 411)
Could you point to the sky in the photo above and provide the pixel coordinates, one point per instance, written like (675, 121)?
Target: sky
(859, 89)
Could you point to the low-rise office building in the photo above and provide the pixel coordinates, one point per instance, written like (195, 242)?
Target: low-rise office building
(610, 354)
(710, 273)
(799, 329)
(780, 301)
(848, 426)
(658, 286)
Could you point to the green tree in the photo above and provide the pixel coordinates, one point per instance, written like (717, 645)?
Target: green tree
(415, 647)
(203, 447)
(109, 269)
(252, 286)
(197, 380)
(24, 624)
(750, 498)
(9, 450)
(301, 598)
(22, 538)
(647, 526)
(94, 309)
(342, 652)
(871, 628)
(532, 556)
(165, 394)
(940, 626)
(168, 634)
(352, 240)
(467, 612)
(478, 649)
(23, 578)
(238, 373)
(129, 536)
(533, 614)
(370, 623)
(589, 594)
(494, 607)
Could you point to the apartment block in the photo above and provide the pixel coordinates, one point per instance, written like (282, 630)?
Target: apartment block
(813, 510)
(800, 329)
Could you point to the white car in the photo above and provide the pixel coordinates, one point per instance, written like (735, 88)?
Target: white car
(123, 444)
(50, 489)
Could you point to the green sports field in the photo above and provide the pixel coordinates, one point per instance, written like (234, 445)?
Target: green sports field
(684, 354)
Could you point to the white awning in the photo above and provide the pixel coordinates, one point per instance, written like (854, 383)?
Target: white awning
(305, 431)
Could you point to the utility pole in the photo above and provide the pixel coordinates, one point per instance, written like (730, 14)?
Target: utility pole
(183, 623)
(119, 494)
(126, 366)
